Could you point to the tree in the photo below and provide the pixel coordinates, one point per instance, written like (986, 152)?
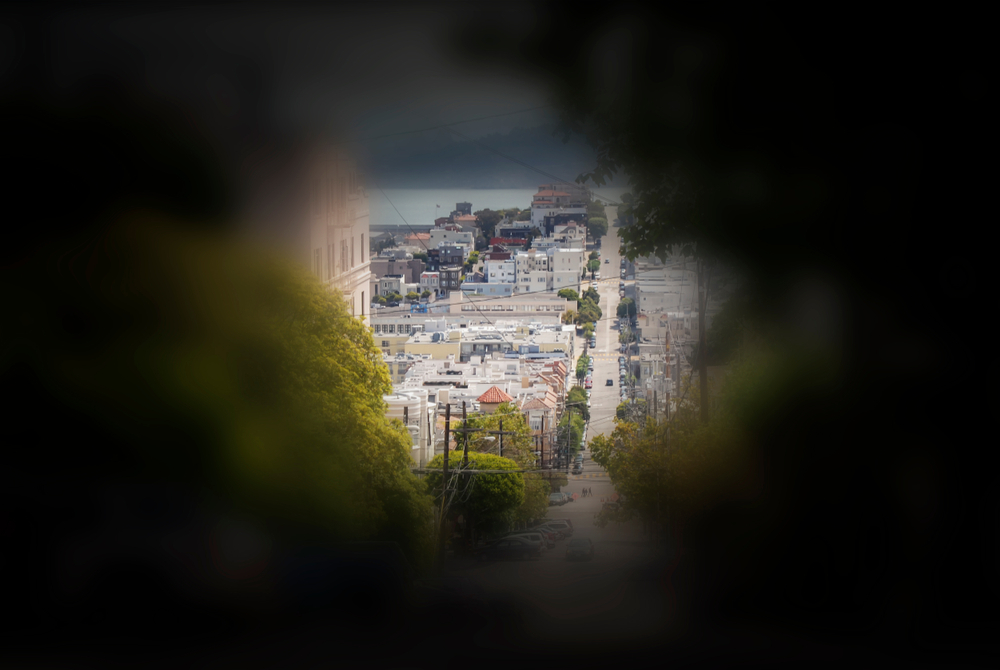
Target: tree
(229, 374)
(471, 262)
(626, 308)
(577, 397)
(570, 432)
(413, 296)
(490, 500)
(568, 317)
(524, 215)
(420, 255)
(593, 295)
(582, 366)
(380, 299)
(520, 448)
(593, 256)
(595, 209)
(568, 294)
(588, 330)
(426, 294)
(487, 220)
(597, 227)
(592, 267)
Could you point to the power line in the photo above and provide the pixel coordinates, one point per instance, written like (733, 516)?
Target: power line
(532, 168)
(425, 247)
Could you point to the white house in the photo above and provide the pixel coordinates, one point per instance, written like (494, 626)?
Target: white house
(502, 271)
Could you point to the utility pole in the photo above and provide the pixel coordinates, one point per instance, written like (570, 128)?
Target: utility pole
(703, 339)
(444, 482)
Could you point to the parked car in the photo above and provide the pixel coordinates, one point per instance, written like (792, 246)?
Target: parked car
(513, 547)
(610, 382)
(580, 548)
(561, 527)
(548, 540)
(555, 499)
(561, 530)
(607, 260)
(568, 522)
(534, 537)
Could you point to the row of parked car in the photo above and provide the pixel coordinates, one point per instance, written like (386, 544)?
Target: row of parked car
(559, 499)
(532, 543)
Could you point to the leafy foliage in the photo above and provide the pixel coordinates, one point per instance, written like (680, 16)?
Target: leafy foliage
(568, 294)
(581, 366)
(597, 227)
(520, 448)
(577, 397)
(487, 220)
(593, 267)
(626, 308)
(491, 499)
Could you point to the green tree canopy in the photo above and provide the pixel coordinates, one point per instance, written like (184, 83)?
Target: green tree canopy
(578, 396)
(524, 215)
(593, 295)
(593, 256)
(568, 294)
(597, 226)
(487, 220)
(568, 317)
(581, 366)
(225, 370)
(413, 296)
(626, 308)
(420, 255)
(426, 294)
(593, 266)
(520, 448)
(493, 499)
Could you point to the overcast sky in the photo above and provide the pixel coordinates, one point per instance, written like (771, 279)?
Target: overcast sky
(366, 71)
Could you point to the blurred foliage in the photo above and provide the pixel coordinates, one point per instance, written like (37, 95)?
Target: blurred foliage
(183, 356)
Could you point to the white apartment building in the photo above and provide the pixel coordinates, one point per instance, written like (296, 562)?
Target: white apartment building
(566, 266)
(441, 236)
(500, 271)
(533, 272)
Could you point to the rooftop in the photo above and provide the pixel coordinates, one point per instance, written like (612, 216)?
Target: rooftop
(494, 395)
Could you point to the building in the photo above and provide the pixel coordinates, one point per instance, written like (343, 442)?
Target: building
(552, 200)
(446, 236)
(415, 410)
(533, 274)
(493, 398)
(408, 268)
(514, 230)
(451, 278)
(315, 207)
(462, 208)
(490, 289)
(390, 284)
(500, 270)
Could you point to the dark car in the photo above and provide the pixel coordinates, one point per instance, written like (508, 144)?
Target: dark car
(580, 548)
(610, 382)
(512, 547)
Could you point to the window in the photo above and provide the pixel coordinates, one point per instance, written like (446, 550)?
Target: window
(377, 328)
(385, 343)
(343, 255)
(363, 255)
(391, 327)
(352, 251)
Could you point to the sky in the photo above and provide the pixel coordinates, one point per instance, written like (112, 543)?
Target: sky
(362, 71)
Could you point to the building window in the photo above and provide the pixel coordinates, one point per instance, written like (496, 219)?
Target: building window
(352, 251)
(343, 255)
(385, 343)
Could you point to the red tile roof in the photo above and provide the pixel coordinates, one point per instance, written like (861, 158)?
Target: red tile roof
(494, 396)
